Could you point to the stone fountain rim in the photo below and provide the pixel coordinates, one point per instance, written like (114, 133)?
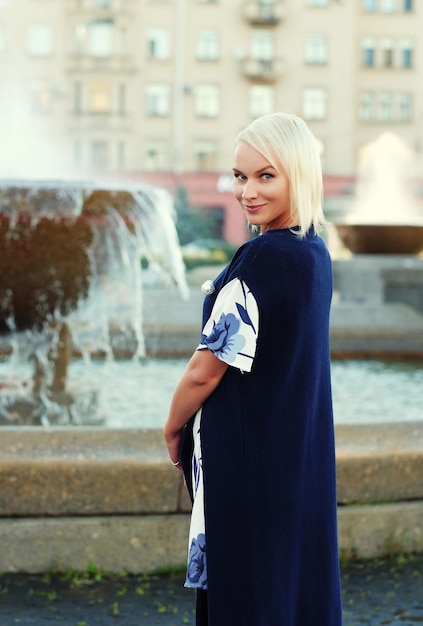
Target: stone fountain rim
(88, 185)
(380, 225)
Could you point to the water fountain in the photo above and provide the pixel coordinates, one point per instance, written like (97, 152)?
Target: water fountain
(385, 217)
(70, 281)
(378, 277)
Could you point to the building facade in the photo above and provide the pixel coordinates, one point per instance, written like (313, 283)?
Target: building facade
(159, 88)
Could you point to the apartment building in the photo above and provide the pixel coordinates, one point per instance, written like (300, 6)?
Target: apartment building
(162, 86)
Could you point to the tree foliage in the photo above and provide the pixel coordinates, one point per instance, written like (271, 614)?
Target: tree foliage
(192, 223)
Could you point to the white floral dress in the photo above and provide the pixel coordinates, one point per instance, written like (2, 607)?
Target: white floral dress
(231, 334)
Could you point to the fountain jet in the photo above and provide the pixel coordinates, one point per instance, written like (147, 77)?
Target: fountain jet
(70, 273)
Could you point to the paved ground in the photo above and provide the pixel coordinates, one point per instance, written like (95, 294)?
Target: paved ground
(375, 593)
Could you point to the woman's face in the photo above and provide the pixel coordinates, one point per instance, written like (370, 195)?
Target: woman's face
(262, 191)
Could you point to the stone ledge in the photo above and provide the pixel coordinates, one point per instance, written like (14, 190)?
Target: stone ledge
(144, 543)
(380, 529)
(377, 344)
(131, 543)
(88, 471)
(379, 462)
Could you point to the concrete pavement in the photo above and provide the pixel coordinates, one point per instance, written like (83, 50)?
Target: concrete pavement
(377, 592)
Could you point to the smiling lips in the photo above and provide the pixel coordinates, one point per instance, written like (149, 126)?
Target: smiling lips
(252, 208)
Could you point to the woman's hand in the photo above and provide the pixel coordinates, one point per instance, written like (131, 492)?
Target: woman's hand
(173, 442)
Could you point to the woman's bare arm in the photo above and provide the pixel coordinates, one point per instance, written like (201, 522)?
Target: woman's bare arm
(201, 377)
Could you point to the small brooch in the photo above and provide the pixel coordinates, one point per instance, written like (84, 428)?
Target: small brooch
(208, 287)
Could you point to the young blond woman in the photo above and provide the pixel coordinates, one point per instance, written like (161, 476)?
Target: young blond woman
(251, 419)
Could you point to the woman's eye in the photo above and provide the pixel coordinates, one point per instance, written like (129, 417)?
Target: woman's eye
(238, 176)
(267, 176)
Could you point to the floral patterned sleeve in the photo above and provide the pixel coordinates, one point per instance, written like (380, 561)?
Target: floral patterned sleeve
(231, 331)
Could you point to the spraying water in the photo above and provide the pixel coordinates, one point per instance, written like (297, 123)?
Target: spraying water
(71, 280)
(385, 172)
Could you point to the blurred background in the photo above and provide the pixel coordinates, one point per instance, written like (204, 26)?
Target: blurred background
(156, 90)
(143, 98)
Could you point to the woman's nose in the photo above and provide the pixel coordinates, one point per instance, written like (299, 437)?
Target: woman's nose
(250, 190)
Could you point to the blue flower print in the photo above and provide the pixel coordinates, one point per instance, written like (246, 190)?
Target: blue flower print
(224, 338)
(197, 565)
(231, 330)
(242, 310)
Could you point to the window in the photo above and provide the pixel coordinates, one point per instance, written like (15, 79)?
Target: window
(101, 37)
(207, 45)
(40, 40)
(158, 99)
(100, 97)
(205, 153)
(207, 100)
(158, 43)
(262, 45)
(388, 52)
(369, 6)
(408, 5)
(265, 9)
(262, 100)
(315, 103)
(101, 4)
(386, 107)
(316, 48)
(97, 38)
(406, 53)
(388, 6)
(368, 46)
(367, 106)
(156, 155)
(100, 155)
(405, 107)
(317, 3)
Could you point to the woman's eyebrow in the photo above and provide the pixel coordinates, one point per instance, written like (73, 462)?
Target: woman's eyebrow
(262, 169)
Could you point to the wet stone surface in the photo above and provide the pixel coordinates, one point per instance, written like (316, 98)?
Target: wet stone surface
(384, 592)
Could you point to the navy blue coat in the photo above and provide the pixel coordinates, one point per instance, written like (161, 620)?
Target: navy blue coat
(268, 448)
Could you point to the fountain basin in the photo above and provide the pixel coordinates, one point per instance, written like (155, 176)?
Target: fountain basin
(381, 238)
(112, 497)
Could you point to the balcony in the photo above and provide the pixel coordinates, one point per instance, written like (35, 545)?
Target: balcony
(264, 13)
(101, 6)
(103, 121)
(82, 63)
(263, 70)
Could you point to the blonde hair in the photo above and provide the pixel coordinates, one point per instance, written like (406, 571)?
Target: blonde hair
(285, 140)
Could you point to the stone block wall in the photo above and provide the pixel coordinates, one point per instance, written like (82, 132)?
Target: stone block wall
(71, 497)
